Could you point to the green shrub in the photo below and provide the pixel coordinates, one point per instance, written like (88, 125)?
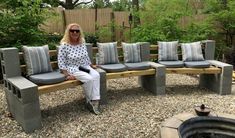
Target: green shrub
(161, 22)
(19, 23)
(91, 38)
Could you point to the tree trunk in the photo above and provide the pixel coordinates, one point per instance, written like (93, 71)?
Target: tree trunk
(69, 4)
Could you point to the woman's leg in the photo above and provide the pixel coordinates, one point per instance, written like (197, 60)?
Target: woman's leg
(91, 84)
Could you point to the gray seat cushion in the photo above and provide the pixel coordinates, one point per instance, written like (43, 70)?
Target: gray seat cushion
(137, 66)
(172, 64)
(113, 67)
(197, 64)
(47, 78)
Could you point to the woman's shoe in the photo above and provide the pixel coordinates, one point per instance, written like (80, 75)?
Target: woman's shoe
(93, 106)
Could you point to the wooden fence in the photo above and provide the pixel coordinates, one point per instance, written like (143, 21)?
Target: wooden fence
(92, 21)
(99, 21)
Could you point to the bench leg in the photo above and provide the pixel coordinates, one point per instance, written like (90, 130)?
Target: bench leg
(220, 83)
(23, 103)
(103, 86)
(154, 83)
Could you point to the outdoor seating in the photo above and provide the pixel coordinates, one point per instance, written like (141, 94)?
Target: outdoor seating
(22, 88)
(214, 75)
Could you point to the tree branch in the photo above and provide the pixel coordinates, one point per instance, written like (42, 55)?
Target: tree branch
(76, 2)
(62, 3)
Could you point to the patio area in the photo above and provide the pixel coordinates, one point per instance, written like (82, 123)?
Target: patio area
(130, 112)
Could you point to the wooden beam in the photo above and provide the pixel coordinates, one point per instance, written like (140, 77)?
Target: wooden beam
(153, 56)
(58, 86)
(211, 70)
(130, 73)
(53, 64)
(233, 75)
(51, 53)
(153, 47)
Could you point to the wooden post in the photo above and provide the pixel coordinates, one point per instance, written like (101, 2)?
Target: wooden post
(96, 27)
(122, 31)
(64, 19)
(112, 18)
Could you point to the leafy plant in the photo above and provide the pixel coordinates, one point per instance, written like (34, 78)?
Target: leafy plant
(20, 20)
(222, 17)
(91, 38)
(161, 22)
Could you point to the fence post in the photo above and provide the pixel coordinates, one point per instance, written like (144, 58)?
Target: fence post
(64, 19)
(96, 27)
(112, 18)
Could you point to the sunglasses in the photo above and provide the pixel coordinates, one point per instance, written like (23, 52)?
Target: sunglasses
(74, 31)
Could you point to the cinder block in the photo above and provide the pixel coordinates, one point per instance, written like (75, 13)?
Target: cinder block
(161, 71)
(152, 84)
(161, 81)
(145, 51)
(90, 51)
(155, 83)
(209, 49)
(10, 101)
(29, 110)
(27, 115)
(27, 89)
(10, 61)
(32, 124)
(161, 90)
(103, 86)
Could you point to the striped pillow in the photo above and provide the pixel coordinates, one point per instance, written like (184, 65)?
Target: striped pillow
(107, 53)
(37, 59)
(192, 51)
(131, 52)
(167, 51)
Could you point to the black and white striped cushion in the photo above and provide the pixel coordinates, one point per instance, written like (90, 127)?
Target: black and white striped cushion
(192, 51)
(107, 53)
(37, 59)
(167, 51)
(131, 52)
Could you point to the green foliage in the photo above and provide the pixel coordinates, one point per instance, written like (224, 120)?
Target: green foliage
(223, 18)
(91, 38)
(19, 23)
(101, 4)
(197, 32)
(121, 5)
(161, 22)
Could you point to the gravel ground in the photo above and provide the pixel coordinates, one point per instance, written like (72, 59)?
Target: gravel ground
(131, 111)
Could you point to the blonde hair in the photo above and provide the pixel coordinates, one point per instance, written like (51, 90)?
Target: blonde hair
(66, 37)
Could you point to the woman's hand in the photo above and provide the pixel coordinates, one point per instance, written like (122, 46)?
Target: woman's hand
(93, 66)
(70, 77)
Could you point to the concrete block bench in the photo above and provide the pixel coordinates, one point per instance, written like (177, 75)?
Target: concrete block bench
(22, 95)
(216, 77)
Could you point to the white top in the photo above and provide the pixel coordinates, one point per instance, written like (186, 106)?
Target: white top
(70, 57)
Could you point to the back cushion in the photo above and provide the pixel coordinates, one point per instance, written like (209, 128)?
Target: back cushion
(107, 53)
(167, 51)
(37, 59)
(192, 51)
(131, 52)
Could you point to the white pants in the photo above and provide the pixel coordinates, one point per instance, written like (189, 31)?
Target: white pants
(91, 83)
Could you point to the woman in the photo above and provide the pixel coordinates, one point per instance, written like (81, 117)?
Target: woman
(72, 55)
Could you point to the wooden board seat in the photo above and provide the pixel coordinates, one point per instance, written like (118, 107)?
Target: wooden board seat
(211, 70)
